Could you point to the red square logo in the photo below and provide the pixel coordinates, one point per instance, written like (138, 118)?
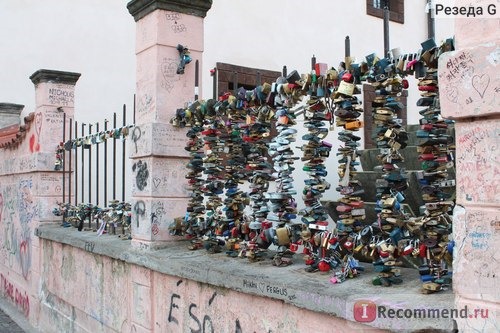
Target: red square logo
(365, 311)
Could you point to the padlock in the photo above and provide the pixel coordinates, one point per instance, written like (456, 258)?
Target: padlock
(398, 195)
(408, 249)
(358, 248)
(348, 245)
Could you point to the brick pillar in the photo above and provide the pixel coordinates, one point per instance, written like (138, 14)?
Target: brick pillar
(157, 148)
(39, 187)
(469, 84)
(10, 114)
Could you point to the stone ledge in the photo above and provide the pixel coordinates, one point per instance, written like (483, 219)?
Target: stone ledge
(140, 8)
(291, 284)
(48, 75)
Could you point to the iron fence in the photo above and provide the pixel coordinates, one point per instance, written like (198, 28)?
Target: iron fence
(82, 162)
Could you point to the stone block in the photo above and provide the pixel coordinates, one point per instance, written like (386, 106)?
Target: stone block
(476, 231)
(470, 82)
(160, 90)
(477, 162)
(141, 275)
(170, 28)
(115, 283)
(477, 315)
(55, 95)
(152, 217)
(141, 304)
(160, 177)
(158, 139)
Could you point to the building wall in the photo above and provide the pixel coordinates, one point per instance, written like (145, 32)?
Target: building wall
(471, 79)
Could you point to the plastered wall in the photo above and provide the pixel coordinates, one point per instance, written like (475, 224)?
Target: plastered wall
(471, 81)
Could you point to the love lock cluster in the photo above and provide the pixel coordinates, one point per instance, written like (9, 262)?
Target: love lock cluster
(87, 141)
(116, 216)
(230, 143)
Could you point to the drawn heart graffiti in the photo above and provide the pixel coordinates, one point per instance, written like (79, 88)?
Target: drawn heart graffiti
(34, 140)
(481, 83)
(156, 182)
(38, 123)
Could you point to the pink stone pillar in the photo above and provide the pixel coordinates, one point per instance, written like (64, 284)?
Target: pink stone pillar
(54, 97)
(40, 187)
(470, 93)
(157, 148)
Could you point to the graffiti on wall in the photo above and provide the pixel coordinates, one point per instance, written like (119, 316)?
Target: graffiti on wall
(141, 171)
(17, 296)
(477, 145)
(199, 315)
(35, 137)
(17, 211)
(469, 89)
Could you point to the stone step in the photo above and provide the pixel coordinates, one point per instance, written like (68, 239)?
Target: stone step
(371, 215)
(368, 158)
(413, 194)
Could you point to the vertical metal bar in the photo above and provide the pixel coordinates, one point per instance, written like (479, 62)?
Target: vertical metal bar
(196, 79)
(97, 165)
(284, 71)
(76, 164)
(431, 28)
(214, 83)
(70, 160)
(386, 29)
(106, 164)
(347, 52)
(64, 160)
(257, 79)
(114, 156)
(90, 173)
(347, 46)
(313, 62)
(97, 172)
(90, 165)
(113, 229)
(83, 164)
(123, 152)
(235, 82)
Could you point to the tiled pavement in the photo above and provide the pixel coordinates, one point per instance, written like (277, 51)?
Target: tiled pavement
(7, 325)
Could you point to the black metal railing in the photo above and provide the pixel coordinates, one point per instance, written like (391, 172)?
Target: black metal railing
(81, 202)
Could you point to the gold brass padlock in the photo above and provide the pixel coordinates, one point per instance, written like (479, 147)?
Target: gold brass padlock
(358, 248)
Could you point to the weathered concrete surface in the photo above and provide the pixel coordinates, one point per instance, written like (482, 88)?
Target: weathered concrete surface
(246, 293)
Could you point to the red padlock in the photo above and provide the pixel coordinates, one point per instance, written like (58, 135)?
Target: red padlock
(422, 251)
(347, 77)
(408, 249)
(323, 266)
(383, 254)
(349, 245)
